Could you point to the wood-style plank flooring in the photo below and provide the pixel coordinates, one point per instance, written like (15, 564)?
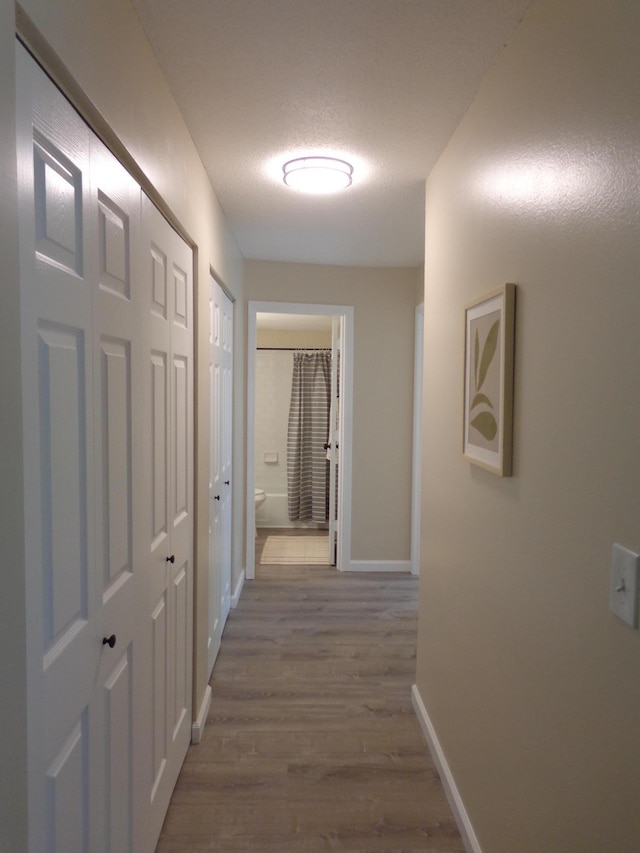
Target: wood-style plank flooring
(312, 743)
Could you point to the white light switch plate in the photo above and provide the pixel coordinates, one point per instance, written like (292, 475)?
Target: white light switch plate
(624, 585)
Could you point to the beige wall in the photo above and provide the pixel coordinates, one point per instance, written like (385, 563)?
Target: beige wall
(384, 304)
(293, 338)
(98, 51)
(531, 683)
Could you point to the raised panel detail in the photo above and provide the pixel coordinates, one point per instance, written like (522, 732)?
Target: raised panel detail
(116, 457)
(216, 438)
(159, 635)
(180, 423)
(159, 444)
(180, 299)
(113, 230)
(158, 282)
(66, 782)
(180, 655)
(58, 206)
(216, 325)
(63, 477)
(119, 740)
(226, 333)
(226, 425)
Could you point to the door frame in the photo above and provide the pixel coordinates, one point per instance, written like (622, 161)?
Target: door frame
(343, 556)
(416, 478)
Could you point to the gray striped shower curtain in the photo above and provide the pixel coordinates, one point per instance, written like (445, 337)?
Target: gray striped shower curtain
(307, 465)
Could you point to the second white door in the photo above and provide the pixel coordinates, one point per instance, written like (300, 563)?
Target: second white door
(167, 497)
(220, 469)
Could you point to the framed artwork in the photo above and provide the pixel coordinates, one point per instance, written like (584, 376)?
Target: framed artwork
(489, 324)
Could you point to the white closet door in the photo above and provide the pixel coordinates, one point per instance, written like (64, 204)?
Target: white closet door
(220, 467)
(227, 451)
(167, 481)
(118, 383)
(78, 211)
(215, 476)
(63, 597)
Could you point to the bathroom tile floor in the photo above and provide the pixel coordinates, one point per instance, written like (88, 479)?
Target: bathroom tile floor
(295, 550)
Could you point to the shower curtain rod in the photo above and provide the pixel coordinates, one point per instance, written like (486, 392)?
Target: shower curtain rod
(294, 349)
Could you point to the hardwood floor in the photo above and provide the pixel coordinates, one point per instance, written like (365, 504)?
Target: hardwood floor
(312, 743)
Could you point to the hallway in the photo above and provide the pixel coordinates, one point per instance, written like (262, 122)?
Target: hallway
(311, 742)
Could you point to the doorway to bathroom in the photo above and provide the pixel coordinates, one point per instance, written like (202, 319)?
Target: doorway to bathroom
(299, 390)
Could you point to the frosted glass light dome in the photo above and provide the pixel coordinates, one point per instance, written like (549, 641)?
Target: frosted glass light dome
(317, 175)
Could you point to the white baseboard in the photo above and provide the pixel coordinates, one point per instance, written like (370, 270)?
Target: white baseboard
(469, 838)
(379, 566)
(237, 592)
(197, 727)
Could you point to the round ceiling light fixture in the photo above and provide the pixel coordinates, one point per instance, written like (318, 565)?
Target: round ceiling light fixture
(318, 175)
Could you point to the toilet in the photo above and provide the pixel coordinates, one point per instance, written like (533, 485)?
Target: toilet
(260, 499)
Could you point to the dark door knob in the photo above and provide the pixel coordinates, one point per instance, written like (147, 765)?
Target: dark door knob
(227, 482)
(171, 559)
(109, 641)
(216, 497)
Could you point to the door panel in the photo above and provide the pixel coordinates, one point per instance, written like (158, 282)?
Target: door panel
(63, 598)
(62, 429)
(159, 449)
(226, 416)
(215, 475)
(160, 693)
(215, 479)
(118, 417)
(114, 247)
(220, 466)
(66, 780)
(166, 279)
(118, 705)
(116, 442)
(58, 204)
(180, 652)
(180, 423)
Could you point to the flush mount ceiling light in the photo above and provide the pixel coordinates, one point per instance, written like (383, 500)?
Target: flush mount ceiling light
(317, 175)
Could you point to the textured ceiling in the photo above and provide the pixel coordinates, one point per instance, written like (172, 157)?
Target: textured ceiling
(382, 82)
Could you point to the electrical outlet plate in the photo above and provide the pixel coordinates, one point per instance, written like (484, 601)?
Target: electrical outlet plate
(624, 584)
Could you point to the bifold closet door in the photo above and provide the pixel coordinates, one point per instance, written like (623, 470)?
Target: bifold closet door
(107, 377)
(79, 213)
(227, 452)
(167, 495)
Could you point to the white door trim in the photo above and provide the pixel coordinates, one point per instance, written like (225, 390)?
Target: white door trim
(343, 561)
(416, 477)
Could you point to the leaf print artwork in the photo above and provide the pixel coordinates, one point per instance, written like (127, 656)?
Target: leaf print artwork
(484, 422)
(479, 399)
(489, 351)
(476, 353)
